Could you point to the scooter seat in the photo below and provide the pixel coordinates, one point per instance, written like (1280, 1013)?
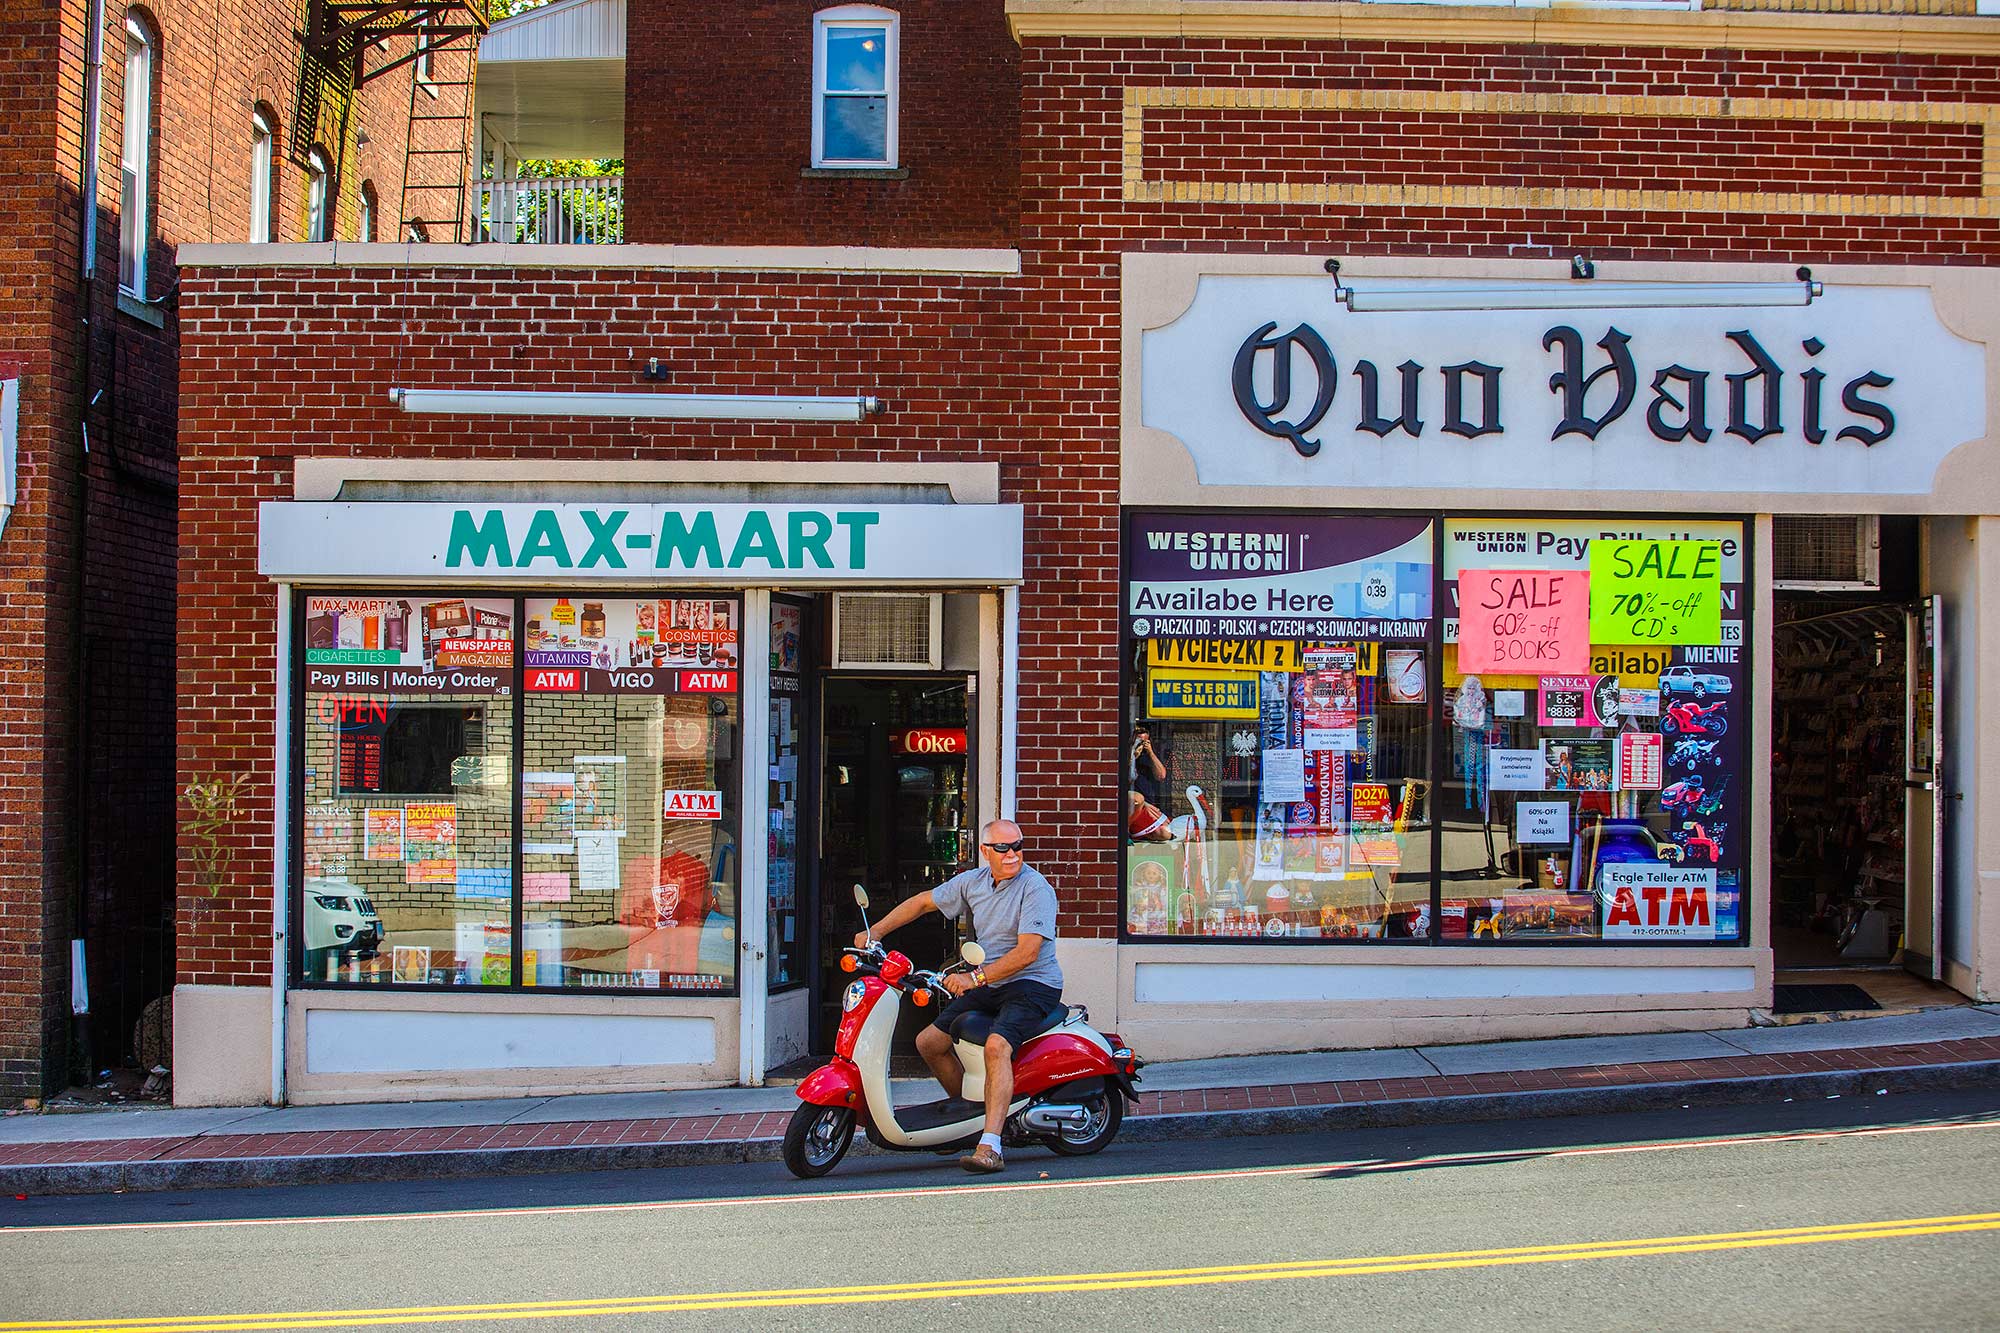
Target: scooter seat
(975, 1027)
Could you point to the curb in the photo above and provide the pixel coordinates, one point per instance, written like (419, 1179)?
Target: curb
(240, 1172)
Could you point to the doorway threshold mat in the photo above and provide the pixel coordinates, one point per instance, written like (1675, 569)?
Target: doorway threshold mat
(1837, 997)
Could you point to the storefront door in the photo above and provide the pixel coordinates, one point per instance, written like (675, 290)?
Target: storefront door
(896, 809)
(791, 870)
(1923, 815)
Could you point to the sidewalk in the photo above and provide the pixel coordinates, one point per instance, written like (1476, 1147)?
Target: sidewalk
(104, 1151)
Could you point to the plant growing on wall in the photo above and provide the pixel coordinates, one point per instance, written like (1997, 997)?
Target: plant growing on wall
(210, 828)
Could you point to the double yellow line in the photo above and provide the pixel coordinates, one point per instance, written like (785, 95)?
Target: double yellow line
(1031, 1285)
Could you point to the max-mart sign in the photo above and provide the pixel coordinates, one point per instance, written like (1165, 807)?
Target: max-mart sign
(1269, 382)
(725, 544)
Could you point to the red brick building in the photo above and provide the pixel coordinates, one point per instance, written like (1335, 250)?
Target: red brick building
(939, 400)
(132, 131)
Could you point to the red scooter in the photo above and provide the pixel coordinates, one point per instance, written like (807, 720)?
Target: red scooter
(1071, 1083)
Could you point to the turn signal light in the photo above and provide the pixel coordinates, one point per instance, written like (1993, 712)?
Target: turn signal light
(849, 963)
(920, 998)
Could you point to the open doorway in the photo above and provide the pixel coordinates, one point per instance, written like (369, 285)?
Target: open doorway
(896, 817)
(1839, 811)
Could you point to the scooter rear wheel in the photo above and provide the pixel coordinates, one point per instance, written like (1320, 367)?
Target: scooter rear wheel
(817, 1139)
(1107, 1112)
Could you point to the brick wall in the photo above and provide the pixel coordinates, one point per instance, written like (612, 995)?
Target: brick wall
(1026, 372)
(718, 128)
(86, 770)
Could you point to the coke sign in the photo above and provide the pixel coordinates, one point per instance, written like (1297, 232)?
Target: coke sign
(928, 740)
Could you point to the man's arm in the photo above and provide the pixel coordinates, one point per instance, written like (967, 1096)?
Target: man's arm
(900, 915)
(1014, 960)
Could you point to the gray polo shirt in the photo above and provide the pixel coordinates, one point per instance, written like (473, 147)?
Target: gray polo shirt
(1002, 913)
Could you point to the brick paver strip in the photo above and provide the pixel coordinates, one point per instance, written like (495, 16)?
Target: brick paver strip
(756, 1125)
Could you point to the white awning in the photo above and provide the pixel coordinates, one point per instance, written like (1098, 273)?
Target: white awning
(551, 81)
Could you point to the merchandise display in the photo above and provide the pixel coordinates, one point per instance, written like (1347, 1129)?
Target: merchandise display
(415, 820)
(1589, 787)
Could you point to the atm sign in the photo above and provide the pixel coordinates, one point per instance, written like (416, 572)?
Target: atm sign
(554, 680)
(692, 804)
(1644, 902)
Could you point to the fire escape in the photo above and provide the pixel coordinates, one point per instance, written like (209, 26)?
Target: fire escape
(366, 39)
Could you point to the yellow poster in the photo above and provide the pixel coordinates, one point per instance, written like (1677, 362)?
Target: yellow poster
(1223, 654)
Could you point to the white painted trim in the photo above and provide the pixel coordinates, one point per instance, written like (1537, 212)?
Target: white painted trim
(281, 841)
(855, 16)
(322, 478)
(1010, 695)
(1221, 984)
(753, 841)
(697, 258)
(135, 152)
(263, 154)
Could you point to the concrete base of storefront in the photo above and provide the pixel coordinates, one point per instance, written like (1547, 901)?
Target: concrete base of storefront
(361, 1046)
(222, 1045)
(1347, 998)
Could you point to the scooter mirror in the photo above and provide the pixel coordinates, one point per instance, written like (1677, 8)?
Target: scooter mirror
(860, 897)
(972, 953)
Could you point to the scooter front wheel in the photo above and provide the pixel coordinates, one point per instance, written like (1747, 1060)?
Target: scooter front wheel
(1107, 1112)
(817, 1139)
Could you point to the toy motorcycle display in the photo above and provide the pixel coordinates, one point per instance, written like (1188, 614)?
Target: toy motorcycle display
(1071, 1083)
(1689, 718)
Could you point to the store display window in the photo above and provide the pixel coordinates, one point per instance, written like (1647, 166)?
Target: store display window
(1532, 732)
(407, 801)
(1597, 701)
(1278, 709)
(536, 792)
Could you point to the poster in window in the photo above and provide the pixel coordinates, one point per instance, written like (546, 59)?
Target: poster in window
(382, 836)
(548, 814)
(430, 843)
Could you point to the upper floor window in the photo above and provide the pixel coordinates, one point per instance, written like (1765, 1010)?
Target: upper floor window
(426, 80)
(319, 204)
(136, 159)
(263, 161)
(854, 87)
(364, 222)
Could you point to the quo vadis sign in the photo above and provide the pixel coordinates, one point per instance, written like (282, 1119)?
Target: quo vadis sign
(1269, 382)
(724, 543)
(1250, 575)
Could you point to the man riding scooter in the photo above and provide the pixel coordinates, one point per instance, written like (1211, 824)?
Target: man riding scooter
(1014, 918)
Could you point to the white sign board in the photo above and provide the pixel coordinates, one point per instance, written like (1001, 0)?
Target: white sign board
(1657, 902)
(1862, 392)
(1541, 822)
(722, 544)
(1516, 770)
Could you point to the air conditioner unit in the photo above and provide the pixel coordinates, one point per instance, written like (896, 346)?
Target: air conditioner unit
(1826, 552)
(888, 631)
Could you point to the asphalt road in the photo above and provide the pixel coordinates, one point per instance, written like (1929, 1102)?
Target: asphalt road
(1835, 1214)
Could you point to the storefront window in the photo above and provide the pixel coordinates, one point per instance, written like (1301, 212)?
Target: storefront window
(626, 792)
(1278, 771)
(629, 820)
(408, 842)
(1596, 700)
(1584, 687)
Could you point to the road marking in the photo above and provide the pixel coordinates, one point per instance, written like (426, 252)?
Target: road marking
(1010, 1187)
(1040, 1284)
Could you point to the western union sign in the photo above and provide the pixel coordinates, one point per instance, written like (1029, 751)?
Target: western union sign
(1185, 694)
(1223, 654)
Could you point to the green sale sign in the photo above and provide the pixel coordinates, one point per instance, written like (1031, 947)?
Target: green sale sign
(1645, 592)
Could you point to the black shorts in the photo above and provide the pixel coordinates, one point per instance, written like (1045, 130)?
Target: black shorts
(1021, 1008)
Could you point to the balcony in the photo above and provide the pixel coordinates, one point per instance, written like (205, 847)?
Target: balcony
(552, 210)
(551, 95)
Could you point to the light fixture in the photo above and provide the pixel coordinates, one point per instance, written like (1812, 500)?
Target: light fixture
(678, 406)
(1585, 293)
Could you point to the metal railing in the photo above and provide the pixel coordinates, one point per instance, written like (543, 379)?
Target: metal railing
(570, 210)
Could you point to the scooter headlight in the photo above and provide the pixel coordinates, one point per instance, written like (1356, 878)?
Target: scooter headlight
(850, 999)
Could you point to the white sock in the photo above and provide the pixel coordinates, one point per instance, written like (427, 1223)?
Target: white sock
(990, 1141)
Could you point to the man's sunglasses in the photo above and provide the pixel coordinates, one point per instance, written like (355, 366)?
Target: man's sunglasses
(1005, 847)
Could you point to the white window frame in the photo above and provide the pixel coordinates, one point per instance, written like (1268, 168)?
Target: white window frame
(263, 149)
(364, 218)
(857, 16)
(136, 160)
(319, 200)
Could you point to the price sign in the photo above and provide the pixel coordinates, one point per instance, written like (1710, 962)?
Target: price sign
(1644, 592)
(1535, 621)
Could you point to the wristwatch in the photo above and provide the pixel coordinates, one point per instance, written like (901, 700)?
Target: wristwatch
(979, 977)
